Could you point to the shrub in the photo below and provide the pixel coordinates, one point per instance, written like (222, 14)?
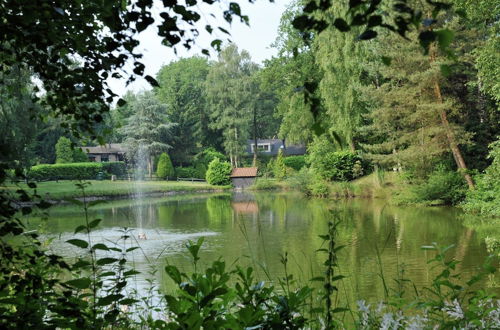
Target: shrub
(300, 180)
(202, 159)
(279, 168)
(70, 171)
(442, 186)
(265, 184)
(64, 152)
(115, 168)
(164, 168)
(218, 173)
(79, 156)
(319, 188)
(485, 199)
(188, 172)
(295, 162)
(337, 165)
(76, 171)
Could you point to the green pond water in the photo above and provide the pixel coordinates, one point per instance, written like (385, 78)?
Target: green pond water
(256, 229)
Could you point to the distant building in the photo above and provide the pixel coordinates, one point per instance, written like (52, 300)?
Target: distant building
(243, 177)
(112, 152)
(271, 147)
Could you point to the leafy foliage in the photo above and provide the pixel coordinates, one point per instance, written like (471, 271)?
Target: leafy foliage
(75, 171)
(229, 98)
(442, 186)
(164, 169)
(485, 199)
(182, 90)
(279, 167)
(218, 173)
(295, 162)
(329, 164)
(189, 172)
(64, 151)
(148, 131)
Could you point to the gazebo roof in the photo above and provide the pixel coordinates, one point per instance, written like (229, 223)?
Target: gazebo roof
(244, 172)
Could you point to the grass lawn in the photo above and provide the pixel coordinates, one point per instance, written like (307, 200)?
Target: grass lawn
(66, 189)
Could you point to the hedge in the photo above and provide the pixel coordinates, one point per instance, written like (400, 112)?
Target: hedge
(219, 173)
(295, 162)
(188, 172)
(76, 171)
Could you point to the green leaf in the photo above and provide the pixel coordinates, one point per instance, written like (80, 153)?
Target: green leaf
(174, 273)
(100, 246)
(106, 261)
(80, 228)
(367, 35)
(94, 223)
(105, 301)
(445, 38)
(80, 283)
(341, 25)
(152, 81)
(78, 242)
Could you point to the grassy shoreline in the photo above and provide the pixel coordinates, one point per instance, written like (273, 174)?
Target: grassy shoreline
(57, 190)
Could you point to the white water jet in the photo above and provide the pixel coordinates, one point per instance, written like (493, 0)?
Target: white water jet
(141, 169)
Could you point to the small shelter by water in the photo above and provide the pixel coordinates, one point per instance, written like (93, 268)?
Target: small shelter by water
(243, 177)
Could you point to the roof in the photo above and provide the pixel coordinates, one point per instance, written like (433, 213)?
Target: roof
(244, 172)
(110, 148)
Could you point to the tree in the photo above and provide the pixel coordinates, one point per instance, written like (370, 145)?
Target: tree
(409, 125)
(229, 95)
(64, 152)
(289, 76)
(279, 167)
(164, 169)
(181, 89)
(343, 61)
(18, 119)
(218, 173)
(147, 132)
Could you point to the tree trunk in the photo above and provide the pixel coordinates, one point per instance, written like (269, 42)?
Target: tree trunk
(457, 154)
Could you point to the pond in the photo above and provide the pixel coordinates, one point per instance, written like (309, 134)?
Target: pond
(256, 229)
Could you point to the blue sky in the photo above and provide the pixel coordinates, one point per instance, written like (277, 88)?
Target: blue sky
(256, 39)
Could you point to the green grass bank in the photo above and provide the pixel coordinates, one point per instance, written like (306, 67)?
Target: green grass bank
(56, 190)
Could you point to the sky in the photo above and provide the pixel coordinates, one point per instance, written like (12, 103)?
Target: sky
(256, 39)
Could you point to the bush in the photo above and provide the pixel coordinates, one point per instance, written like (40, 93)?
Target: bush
(319, 188)
(300, 180)
(265, 184)
(70, 171)
(485, 199)
(279, 168)
(115, 168)
(188, 172)
(202, 159)
(218, 173)
(295, 162)
(164, 168)
(76, 171)
(64, 152)
(79, 156)
(337, 165)
(442, 186)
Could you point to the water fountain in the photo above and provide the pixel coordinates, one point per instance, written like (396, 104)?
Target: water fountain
(140, 169)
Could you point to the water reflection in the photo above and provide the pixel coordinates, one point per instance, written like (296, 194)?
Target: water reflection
(255, 229)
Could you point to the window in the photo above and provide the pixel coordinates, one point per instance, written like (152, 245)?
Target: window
(262, 147)
(105, 159)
